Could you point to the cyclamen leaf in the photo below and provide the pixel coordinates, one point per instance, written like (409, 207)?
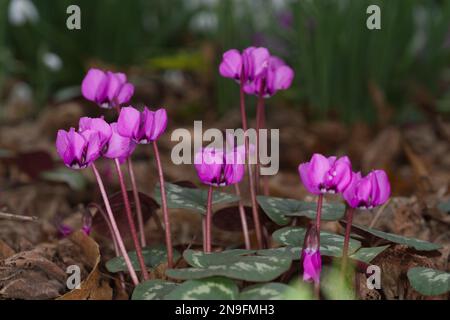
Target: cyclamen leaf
(279, 210)
(153, 290)
(330, 244)
(215, 288)
(368, 254)
(73, 178)
(153, 256)
(247, 268)
(417, 244)
(429, 282)
(190, 198)
(444, 206)
(266, 291)
(199, 259)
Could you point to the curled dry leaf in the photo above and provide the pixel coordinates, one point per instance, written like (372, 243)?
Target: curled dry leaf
(94, 287)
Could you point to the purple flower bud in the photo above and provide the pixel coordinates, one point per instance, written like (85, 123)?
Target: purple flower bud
(367, 192)
(322, 175)
(78, 150)
(143, 127)
(118, 146)
(64, 230)
(246, 66)
(217, 168)
(107, 89)
(312, 261)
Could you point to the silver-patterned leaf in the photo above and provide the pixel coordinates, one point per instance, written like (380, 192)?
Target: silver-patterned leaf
(266, 291)
(331, 244)
(368, 254)
(153, 290)
(279, 210)
(190, 198)
(153, 256)
(214, 288)
(200, 259)
(247, 268)
(417, 244)
(429, 282)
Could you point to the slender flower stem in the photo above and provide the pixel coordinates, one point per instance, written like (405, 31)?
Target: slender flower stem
(243, 218)
(209, 219)
(137, 202)
(348, 228)
(259, 114)
(115, 229)
(204, 232)
(164, 207)
(255, 212)
(319, 215)
(131, 224)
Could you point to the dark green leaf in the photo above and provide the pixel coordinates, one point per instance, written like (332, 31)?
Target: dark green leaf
(248, 268)
(330, 244)
(279, 209)
(368, 254)
(189, 198)
(153, 256)
(417, 244)
(266, 291)
(429, 282)
(152, 290)
(214, 288)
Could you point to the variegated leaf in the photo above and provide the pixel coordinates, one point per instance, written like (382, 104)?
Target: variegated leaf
(153, 290)
(192, 199)
(214, 288)
(266, 291)
(429, 282)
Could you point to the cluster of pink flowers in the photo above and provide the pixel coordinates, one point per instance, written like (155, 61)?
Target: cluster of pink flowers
(323, 175)
(258, 71)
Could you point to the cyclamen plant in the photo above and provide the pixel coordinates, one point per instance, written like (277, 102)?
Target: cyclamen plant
(256, 72)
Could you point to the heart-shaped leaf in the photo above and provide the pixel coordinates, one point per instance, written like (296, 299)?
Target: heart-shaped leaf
(331, 244)
(189, 198)
(279, 209)
(152, 290)
(153, 257)
(293, 253)
(199, 259)
(417, 244)
(429, 282)
(247, 268)
(266, 291)
(368, 254)
(214, 288)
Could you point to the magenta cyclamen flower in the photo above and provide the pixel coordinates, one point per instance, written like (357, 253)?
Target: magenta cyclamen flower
(78, 150)
(326, 175)
(312, 261)
(277, 76)
(246, 66)
(217, 168)
(107, 89)
(369, 191)
(118, 146)
(143, 127)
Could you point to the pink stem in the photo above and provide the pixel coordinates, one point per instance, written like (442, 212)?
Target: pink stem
(348, 228)
(137, 202)
(243, 218)
(318, 215)
(131, 224)
(204, 232)
(164, 207)
(209, 219)
(259, 113)
(114, 227)
(255, 212)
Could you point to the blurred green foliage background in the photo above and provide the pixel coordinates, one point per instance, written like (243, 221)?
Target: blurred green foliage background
(334, 55)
